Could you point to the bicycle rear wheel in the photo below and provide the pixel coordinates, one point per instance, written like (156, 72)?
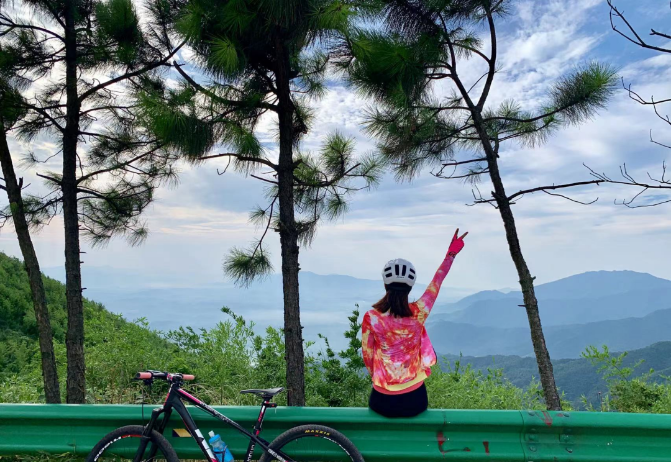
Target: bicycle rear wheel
(123, 443)
(314, 443)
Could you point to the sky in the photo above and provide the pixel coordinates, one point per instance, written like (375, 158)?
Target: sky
(194, 225)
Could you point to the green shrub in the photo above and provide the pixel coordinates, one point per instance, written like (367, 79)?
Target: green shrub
(643, 394)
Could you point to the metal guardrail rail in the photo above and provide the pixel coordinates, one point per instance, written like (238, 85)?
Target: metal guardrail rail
(468, 435)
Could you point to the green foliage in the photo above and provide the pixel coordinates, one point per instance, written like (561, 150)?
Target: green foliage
(124, 163)
(230, 357)
(628, 393)
(340, 382)
(460, 387)
(263, 58)
(171, 115)
(421, 124)
(244, 266)
(118, 23)
(576, 377)
(389, 67)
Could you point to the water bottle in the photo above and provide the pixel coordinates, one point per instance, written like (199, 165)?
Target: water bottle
(220, 449)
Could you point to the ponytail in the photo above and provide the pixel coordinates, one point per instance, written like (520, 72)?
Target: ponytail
(395, 300)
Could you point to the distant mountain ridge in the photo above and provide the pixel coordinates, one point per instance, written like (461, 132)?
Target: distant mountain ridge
(622, 309)
(566, 341)
(480, 323)
(586, 297)
(168, 302)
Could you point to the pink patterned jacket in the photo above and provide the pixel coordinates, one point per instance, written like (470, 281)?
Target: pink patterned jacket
(396, 349)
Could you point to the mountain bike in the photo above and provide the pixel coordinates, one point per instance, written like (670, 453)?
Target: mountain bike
(147, 443)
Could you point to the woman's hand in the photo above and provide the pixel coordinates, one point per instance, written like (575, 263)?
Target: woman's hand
(457, 244)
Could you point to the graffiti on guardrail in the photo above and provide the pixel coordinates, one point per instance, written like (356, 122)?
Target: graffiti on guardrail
(441, 439)
(547, 417)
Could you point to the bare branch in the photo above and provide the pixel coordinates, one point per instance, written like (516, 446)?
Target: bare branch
(570, 199)
(554, 187)
(50, 178)
(268, 225)
(258, 160)
(656, 142)
(266, 180)
(637, 40)
(659, 34)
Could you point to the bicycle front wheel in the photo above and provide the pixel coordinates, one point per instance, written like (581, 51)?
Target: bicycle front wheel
(124, 443)
(314, 443)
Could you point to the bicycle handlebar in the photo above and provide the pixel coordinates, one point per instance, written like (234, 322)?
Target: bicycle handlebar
(167, 376)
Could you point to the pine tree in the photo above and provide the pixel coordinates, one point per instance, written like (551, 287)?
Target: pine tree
(11, 114)
(83, 52)
(426, 41)
(265, 58)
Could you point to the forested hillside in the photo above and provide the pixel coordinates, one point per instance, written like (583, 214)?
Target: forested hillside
(575, 377)
(230, 357)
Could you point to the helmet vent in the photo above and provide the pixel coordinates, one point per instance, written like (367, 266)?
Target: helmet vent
(396, 270)
(403, 270)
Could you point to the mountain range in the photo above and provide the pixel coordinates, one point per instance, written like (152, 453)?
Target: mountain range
(622, 309)
(562, 341)
(168, 302)
(578, 299)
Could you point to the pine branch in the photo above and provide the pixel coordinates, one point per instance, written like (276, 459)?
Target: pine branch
(491, 62)
(219, 99)
(130, 75)
(118, 166)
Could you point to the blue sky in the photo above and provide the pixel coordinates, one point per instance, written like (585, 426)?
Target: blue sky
(193, 226)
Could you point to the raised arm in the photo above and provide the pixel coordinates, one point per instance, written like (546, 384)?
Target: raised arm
(426, 302)
(368, 342)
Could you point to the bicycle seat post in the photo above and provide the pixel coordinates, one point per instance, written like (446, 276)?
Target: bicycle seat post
(265, 404)
(256, 430)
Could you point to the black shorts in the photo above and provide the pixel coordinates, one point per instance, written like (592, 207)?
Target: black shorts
(403, 405)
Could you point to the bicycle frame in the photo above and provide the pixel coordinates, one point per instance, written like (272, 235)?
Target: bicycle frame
(174, 400)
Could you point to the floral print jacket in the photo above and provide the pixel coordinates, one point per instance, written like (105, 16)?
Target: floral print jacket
(396, 349)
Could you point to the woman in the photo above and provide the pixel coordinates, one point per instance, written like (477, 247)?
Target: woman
(396, 349)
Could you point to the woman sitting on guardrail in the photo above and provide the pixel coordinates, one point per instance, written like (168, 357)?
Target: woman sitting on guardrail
(395, 345)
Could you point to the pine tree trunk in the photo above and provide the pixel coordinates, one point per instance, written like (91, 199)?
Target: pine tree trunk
(525, 278)
(74, 341)
(529, 298)
(289, 235)
(52, 392)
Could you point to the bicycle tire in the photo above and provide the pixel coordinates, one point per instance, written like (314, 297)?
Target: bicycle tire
(282, 442)
(132, 431)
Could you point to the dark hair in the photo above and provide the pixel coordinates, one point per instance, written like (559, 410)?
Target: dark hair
(395, 300)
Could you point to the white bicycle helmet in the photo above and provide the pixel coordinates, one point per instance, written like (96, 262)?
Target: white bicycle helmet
(399, 270)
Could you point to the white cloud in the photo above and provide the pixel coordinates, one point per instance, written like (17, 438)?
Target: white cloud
(194, 225)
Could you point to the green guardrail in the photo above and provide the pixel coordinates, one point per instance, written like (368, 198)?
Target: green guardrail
(529, 436)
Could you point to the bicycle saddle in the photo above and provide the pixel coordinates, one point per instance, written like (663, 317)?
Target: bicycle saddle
(266, 393)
